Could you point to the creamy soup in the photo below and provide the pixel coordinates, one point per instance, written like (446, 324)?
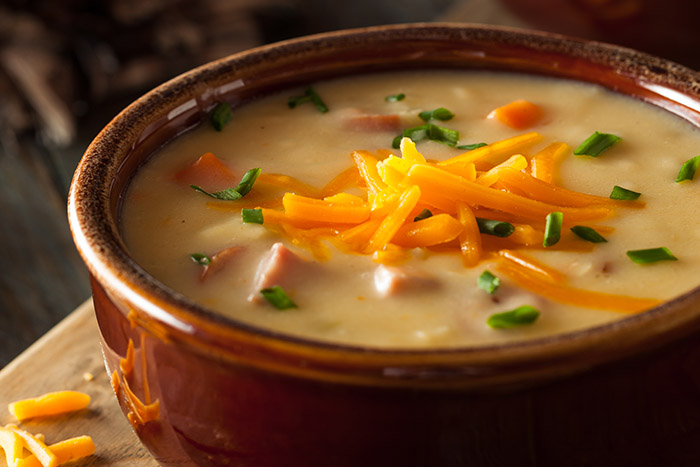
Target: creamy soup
(357, 287)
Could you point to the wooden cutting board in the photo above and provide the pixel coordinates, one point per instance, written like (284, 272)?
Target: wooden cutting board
(61, 360)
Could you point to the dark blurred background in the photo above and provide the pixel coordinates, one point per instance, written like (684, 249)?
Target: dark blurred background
(68, 66)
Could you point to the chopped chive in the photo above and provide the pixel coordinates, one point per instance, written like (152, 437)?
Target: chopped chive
(278, 297)
(424, 214)
(470, 147)
(201, 259)
(688, 169)
(229, 194)
(651, 255)
(395, 97)
(310, 95)
(552, 228)
(429, 131)
(252, 216)
(495, 228)
(220, 116)
(488, 282)
(525, 314)
(247, 181)
(623, 194)
(233, 194)
(588, 233)
(440, 113)
(596, 144)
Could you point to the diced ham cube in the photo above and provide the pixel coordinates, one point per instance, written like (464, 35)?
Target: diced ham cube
(219, 261)
(358, 120)
(280, 267)
(391, 280)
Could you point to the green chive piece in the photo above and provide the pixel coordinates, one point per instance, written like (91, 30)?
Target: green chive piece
(651, 255)
(220, 116)
(431, 132)
(525, 314)
(278, 297)
(440, 113)
(688, 169)
(424, 214)
(470, 147)
(552, 228)
(233, 194)
(310, 95)
(201, 259)
(488, 282)
(623, 194)
(247, 181)
(229, 194)
(252, 216)
(495, 228)
(395, 97)
(596, 144)
(396, 142)
(588, 233)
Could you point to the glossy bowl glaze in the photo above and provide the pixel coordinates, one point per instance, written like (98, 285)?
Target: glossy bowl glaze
(201, 389)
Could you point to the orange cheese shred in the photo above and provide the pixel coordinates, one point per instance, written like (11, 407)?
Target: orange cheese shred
(469, 238)
(11, 443)
(37, 447)
(563, 293)
(53, 403)
(504, 148)
(440, 228)
(543, 163)
(65, 451)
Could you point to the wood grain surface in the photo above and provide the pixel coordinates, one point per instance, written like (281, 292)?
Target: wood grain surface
(59, 361)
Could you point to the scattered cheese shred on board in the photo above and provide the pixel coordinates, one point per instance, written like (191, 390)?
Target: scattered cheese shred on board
(53, 403)
(65, 451)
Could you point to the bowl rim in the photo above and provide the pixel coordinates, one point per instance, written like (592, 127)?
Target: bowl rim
(96, 232)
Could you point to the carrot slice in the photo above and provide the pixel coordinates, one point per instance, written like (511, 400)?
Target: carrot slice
(543, 163)
(565, 294)
(470, 237)
(207, 171)
(432, 180)
(518, 114)
(53, 403)
(66, 451)
(393, 222)
(436, 229)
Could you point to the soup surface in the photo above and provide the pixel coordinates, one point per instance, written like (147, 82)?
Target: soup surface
(397, 295)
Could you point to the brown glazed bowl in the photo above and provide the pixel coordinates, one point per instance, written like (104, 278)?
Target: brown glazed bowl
(201, 389)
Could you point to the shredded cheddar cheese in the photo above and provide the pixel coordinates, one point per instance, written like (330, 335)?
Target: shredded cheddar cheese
(498, 181)
(15, 441)
(53, 403)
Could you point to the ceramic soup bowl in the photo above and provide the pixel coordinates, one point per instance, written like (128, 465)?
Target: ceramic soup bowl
(202, 389)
